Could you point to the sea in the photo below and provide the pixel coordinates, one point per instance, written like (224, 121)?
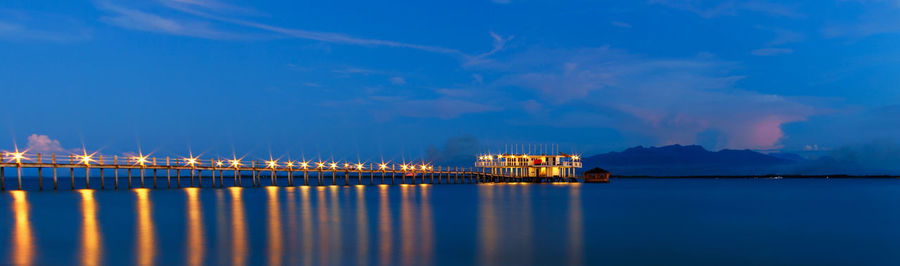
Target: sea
(629, 221)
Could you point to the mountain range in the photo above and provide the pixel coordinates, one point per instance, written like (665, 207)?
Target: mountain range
(681, 160)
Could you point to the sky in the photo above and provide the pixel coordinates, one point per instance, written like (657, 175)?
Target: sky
(407, 79)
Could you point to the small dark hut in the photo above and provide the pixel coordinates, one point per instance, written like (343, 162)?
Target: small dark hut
(596, 175)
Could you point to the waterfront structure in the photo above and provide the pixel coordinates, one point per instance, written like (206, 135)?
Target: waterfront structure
(523, 167)
(596, 175)
(97, 167)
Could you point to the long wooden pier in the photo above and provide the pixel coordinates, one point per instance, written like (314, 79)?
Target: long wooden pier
(152, 172)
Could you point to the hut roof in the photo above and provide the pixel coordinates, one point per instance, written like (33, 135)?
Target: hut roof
(596, 170)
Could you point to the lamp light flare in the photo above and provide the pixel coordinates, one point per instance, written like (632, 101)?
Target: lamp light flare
(141, 159)
(290, 164)
(17, 156)
(191, 161)
(272, 164)
(321, 165)
(382, 166)
(236, 162)
(359, 166)
(304, 164)
(86, 159)
(219, 163)
(333, 165)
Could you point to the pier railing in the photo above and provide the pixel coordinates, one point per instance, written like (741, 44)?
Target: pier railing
(194, 168)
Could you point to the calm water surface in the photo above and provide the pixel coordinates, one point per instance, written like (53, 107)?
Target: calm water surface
(632, 221)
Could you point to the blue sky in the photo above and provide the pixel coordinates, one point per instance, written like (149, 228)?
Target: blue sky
(366, 78)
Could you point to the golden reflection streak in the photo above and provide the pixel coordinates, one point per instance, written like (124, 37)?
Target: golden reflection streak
(196, 245)
(90, 232)
(146, 239)
(576, 243)
(385, 233)
(290, 193)
(306, 214)
(487, 229)
(238, 228)
(362, 227)
(427, 224)
(221, 229)
(275, 247)
(23, 243)
(321, 212)
(334, 206)
(525, 221)
(406, 227)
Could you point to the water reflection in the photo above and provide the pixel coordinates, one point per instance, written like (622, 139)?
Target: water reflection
(306, 216)
(146, 238)
(406, 227)
(487, 225)
(427, 228)
(362, 227)
(196, 244)
(221, 227)
(293, 232)
(575, 246)
(274, 229)
(91, 245)
(385, 229)
(335, 223)
(238, 228)
(323, 238)
(23, 238)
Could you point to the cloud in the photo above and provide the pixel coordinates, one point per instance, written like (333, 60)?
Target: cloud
(621, 24)
(213, 20)
(44, 144)
(875, 18)
(671, 100)
(444, 108)
(771, 51)
(398, 81)
(20, 25)
(714, 8)
(457, 151)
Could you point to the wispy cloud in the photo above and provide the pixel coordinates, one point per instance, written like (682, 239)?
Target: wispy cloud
(712, 8)
(216, 20)
(669, 100)
(21, 25)
(875, 18)
(620, 24)
(398, 81)
(771, 51)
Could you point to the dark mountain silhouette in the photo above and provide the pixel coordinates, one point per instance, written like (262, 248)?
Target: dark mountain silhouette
(678, 160)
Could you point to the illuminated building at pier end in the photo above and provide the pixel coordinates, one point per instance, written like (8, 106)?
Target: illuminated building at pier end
(531, 167)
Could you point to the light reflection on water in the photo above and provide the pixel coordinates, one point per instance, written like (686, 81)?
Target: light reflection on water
(385, 226)
(274, 229)
(238, 228)
(643, 221)
(196, 245)
(91, 245)
(23, 236)
(146, 238)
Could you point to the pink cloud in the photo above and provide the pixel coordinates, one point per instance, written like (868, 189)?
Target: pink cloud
(43, 143)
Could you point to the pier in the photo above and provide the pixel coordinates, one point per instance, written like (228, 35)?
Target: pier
(152, 172)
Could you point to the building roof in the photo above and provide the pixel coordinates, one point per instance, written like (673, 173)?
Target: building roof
(597, 170)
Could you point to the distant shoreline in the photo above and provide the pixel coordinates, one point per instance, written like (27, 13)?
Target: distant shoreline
(757, 176)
